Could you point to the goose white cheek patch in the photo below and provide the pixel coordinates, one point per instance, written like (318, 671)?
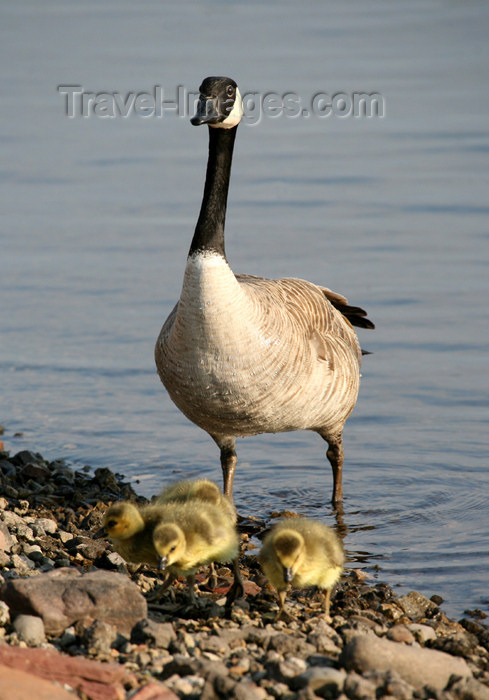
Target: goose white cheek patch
(234, 117)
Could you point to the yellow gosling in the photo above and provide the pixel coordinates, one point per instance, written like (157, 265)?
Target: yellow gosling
(193, 534)
(130, 529)
(302, 552)
(200, 489)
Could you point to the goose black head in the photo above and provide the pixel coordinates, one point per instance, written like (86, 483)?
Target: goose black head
(220, 104)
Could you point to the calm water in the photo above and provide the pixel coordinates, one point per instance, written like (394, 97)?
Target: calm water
(97, 216)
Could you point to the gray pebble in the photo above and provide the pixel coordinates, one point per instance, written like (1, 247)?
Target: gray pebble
(30, 629)
(422, 633)
(47, 524)
(4, 614)
(22, 563)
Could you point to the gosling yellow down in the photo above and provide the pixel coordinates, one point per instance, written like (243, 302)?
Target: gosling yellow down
(302, 552)
(199, 489)
(130, 529)
(193, 534)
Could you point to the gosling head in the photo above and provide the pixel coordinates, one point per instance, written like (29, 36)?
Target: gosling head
(220, 104)
(169, 543)
(122, 521)
(289, 550)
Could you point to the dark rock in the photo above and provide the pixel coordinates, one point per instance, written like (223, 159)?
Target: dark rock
(159, 634)
(38, 472)
(27, 457)
(63, 596)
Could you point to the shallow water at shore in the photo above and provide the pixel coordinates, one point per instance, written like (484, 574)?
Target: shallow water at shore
(392, 212)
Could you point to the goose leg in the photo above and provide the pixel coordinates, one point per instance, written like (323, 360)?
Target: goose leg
(229, 461)
(335, 457)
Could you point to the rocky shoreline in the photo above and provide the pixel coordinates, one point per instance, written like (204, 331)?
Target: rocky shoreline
(77, 622)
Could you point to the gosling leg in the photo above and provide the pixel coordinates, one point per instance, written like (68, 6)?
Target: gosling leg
(283, 614)
(191, 589)
(326, 604)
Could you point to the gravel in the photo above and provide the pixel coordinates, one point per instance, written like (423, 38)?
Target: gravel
(377, 645)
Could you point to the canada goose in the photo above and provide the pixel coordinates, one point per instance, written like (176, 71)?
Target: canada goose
(201, 490)
(193, 534)
(242, 355)
(302, 552)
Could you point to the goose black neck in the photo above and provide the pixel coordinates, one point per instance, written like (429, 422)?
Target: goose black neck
(209, 231)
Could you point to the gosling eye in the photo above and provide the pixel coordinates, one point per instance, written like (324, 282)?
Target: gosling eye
(230, 90)
(172, 549)
(111, 523)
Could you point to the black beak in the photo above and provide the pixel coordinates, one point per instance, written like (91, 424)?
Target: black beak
(99, 533)
(206, 111)
(162, 562)
(288, 575)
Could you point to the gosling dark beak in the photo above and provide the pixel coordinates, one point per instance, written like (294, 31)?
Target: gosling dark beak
(207, 112)
(99, 533)
(288, 575)
(162, 563)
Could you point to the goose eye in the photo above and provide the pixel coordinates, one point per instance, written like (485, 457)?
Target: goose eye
(230, 90)
(172, 549)
(112, 523)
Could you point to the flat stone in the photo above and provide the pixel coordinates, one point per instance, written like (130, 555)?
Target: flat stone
(30, 629)
(416, 665)
(25, 686)
(64, 596)
(97, 680)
